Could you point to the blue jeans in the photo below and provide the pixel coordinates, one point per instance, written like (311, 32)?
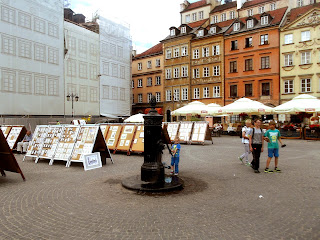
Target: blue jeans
(175, 163)
(273, 152)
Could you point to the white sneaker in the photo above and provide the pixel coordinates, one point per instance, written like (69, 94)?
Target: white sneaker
(176, 174)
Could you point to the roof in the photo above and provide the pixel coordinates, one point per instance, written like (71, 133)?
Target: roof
(197, 24)
(296, 12)
(255, 2)
(224, 7)
(151, 51)
(194, 5)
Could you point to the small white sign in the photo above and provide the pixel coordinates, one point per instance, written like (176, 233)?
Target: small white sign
(92, 161)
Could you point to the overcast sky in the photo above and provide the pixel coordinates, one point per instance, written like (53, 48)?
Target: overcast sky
(149, 20)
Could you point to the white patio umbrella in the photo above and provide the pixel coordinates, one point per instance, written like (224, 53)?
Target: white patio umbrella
(193, 108)
(213, 108)
(137, 118)
(301, 103)
(245, 105)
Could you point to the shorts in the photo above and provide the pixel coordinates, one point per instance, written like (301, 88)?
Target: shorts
(273, 152)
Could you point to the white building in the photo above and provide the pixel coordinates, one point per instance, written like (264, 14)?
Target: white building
(82, 69)
(31, 57)
(115, 68)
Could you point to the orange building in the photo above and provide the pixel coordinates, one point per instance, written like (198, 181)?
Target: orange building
(252, 57)
(147, 79)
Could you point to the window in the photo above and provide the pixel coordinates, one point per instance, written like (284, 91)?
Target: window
(264, 39)
(184, 51)
(149, 95)
(216, 91)
(205, 52)
(196, 73)
(288, 38)
(172, 32)
(132, 83)
(122, 94)
(139, 82)
(233, 90)
(105, 68)
(8, 15)
(234, 45)
(232, 15)
(158, 63)
(196, 93)
(306, 57)
(140, 98)
(299, 3)
(216, 50)
(149, 81)
(25, 83)
(248, 42)
(8, 81)
(158, 80)
(176, 73)
(194, 17)
(261, 9)
(39, 25)
(305, 36)
(233, 66)
(215, 19)
(53, 86)
(149, 64)
(184, 94)
(248, 90)
(158, 96)
(24, 20)
(184, 71)
(205, 72)
(265, 63)
(8, 45)
(236, 27)
(114, 94)
(176, 94)
(176, 52)
(213, 30)
(272, 6)
(250, 23)
(83, 70)
(248, 65)
(25, 50)
(40, 85)
(71, 67)
(39, 52)
(264, 20)
(250, 12)
(83, 93)
(288, 86)
(265, 89)
(201, 15)
(53, 55)
(168, 73)
(223, 17)
(183, 29)
(120, 55)
(216, 71)
(139, 66)
(122, 72)
(206, 93)
(196, 53)
(188, 18)
(306, 85)
(168, 95)
(114, 70)
(168, 53)
(53, 30)
(200, 33)
(288, 59)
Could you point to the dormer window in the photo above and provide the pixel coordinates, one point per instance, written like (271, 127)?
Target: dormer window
(213, 30)
(215, 19)
(250, 23)
(264, 20)
(183, 29)
(261, 9)
(200, 33)
(250, 12)
(272, 6)
(232, 15)
(172, 32)
(223, 17)
(236, 27)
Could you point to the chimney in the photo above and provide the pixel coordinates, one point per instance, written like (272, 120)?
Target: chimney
(134, 53)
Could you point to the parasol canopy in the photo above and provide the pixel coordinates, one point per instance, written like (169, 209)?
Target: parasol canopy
(137, 118)
(302, 103)
(191, 109)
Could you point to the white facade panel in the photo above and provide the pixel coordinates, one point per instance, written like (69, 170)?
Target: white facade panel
(31, 57)
(115, 68)
(82, 65)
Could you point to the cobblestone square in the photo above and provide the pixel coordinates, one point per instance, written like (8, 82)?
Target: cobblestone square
(220, 199)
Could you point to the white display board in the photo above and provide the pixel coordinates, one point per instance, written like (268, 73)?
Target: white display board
(185, 131)
(199, 132)
(5, 130)
(173, 129)
(13, 136)
(50, 142)
(35, 146)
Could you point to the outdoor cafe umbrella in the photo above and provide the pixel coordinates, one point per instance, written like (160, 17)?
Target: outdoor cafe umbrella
(137, 118)
(301, 103)
(213, 108)
(191, 109)
(245, 105)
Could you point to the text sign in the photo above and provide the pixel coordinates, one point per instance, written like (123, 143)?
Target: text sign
(92, 161)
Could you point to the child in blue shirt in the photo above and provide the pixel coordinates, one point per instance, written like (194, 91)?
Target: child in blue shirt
(175, 149)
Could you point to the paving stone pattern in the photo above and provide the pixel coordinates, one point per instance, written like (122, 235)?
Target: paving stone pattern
(220, 199)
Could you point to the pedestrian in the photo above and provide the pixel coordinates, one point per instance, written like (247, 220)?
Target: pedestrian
(245, 133)
(272, 136)
(175, 152)
(256, 144)
(58, 123)
(23, 146)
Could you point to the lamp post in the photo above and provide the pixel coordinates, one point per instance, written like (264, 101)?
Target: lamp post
(72, 97)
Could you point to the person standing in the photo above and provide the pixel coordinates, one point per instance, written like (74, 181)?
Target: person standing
(175, 149)
(246, 132)
(256, 145)
(23, 146)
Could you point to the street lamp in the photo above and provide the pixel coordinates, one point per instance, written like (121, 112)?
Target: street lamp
(73, 97)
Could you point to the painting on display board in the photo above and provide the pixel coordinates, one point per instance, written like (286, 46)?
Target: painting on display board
(6, 130)
(201, 132)
(126, 138)
(173, 129)
(138, 140)
(185, 131)
(50, 142)
(16, 135)
(104, 129)
(113, 136)
(35, 146)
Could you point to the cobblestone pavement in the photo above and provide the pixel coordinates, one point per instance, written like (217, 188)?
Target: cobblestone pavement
(220, 199)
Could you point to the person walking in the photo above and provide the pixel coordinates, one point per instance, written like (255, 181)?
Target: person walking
(23, 146)
(272, 136)
(175, 149)
(246, 132)
(256, 145)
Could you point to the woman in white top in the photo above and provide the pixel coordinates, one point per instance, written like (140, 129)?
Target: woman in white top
(246, 132)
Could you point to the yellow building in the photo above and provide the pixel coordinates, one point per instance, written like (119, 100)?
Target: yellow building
(300, 53)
